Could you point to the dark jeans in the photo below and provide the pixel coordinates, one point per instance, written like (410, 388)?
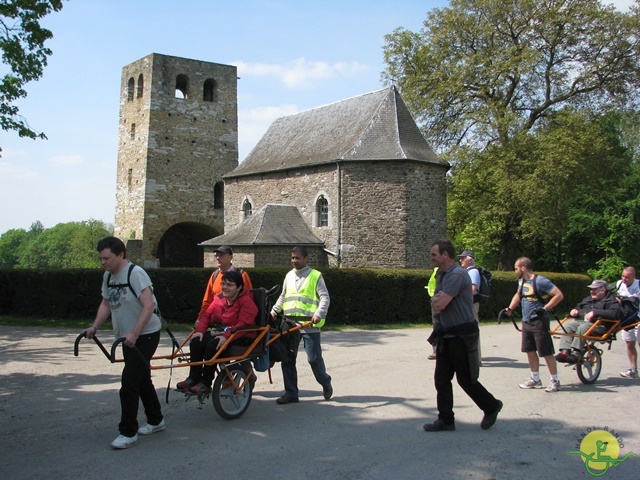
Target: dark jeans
(313, 347)
(205, 349)
(453, 358)
(136, 385)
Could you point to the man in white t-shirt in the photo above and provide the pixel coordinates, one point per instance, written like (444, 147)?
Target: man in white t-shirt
(127, 297)
(628, 286)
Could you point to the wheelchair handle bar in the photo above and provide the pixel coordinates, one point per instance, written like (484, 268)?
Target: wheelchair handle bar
(111, 356)
(513, 320)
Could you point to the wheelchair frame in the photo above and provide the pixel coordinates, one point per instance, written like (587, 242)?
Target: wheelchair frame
(233, 385)
(589, 366)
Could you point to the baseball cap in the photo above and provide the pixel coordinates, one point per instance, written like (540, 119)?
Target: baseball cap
(466, 253)
(224, 249)
(598, 284)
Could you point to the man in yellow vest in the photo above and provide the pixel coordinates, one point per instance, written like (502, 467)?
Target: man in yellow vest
(304, 294)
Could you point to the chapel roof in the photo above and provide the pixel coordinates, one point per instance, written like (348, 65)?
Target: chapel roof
(374, 126)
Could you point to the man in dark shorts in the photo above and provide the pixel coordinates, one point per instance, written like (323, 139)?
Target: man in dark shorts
(538, 297)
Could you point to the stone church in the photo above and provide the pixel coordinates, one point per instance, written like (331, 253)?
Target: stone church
(354, 181)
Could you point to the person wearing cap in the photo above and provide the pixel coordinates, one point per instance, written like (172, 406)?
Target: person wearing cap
(224, 258)
(467, 261)
(537, 296)
(628, 286)
(600, 303)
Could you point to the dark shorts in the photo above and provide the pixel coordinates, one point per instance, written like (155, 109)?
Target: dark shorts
(536, 337)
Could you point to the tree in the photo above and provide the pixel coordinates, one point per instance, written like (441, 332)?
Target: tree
(484, 71)
(23, 52)
(67, 245)
(485, 77)
(10, 243)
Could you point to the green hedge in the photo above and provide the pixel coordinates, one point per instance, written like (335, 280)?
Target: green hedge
(358, 296)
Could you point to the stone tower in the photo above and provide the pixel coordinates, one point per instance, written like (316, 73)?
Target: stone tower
(178, 136)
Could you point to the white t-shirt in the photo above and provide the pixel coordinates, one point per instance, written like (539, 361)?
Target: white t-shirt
(632, 291)
(125, 306)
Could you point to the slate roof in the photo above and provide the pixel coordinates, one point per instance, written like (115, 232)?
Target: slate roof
(273, 224)
(374, 126)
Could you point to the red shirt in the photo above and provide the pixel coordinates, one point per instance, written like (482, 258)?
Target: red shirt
(241, 312)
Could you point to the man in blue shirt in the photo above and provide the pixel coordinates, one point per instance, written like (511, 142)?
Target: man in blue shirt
(538, 297)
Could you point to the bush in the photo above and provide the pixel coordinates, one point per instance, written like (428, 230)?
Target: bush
(358, 296)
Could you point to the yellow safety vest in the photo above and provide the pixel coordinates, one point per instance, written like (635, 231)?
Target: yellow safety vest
(303, 302)
(431, 286)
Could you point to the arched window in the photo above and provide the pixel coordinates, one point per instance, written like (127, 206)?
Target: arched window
(182, 86)
(218, 195)
(322, 212)
(140, 86)
(130, 88)
(208, 93)
(247, 208)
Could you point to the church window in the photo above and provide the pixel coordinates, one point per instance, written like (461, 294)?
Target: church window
(247, 208)
(130, 87)
(218, 195)
(182, 86)
(209, 90)
(140, 86)
(322, 212)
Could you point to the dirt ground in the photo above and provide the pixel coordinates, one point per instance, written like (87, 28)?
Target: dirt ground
(59, 414)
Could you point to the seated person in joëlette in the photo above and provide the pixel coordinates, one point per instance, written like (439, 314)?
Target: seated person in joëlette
(234, 307)
(600, 303)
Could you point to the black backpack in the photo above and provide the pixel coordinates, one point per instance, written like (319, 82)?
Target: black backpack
(484, 289)
(628, 308)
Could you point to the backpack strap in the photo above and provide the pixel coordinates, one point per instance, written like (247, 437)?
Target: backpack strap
(217, 272)
(120, 285)
(535, 290)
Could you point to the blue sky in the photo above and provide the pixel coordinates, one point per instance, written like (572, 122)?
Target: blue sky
(291, 56)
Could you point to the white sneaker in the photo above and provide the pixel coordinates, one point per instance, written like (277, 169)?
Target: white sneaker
(148, 429)
(631, 373)
(531, 383)
(124, 442)
(554, 386)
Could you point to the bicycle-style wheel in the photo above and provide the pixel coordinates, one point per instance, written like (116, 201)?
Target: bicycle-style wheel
(229, 402)
(590, 365)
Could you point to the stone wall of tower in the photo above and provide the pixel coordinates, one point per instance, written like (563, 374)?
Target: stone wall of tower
(178, 135)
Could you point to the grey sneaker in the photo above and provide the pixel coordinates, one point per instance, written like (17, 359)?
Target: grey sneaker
(554, 386)
(124, 442)
(631, 373)
(531, 383)
(148, 429)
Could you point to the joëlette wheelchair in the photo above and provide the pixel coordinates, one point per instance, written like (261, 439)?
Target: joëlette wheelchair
(234, 372)
(589, 365)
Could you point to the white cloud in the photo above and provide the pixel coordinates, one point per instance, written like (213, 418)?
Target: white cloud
(67, 160)
(301, 72)
(11, 171)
